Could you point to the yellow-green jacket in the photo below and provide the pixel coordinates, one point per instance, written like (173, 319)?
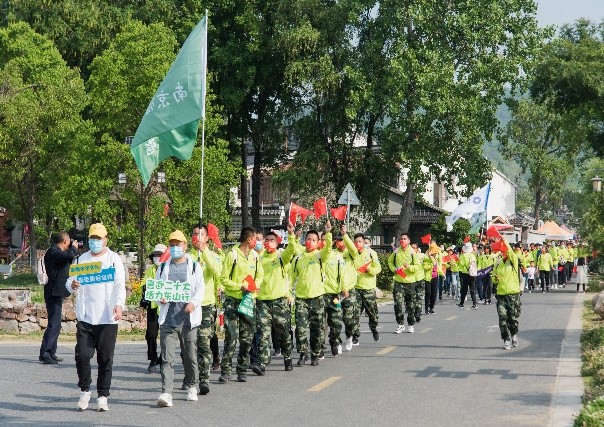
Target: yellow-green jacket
(428, 265)
(484, 261)
(236, 268)
(506, 275)
(276, 267)
(464, 262)
(545, 262)
(419, 274)
(399, 258)
(308, 271)
(350, 273)
(211, 266)
(554, 251)
(335, 271)
(367, 280)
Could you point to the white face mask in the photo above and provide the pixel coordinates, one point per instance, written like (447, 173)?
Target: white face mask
(156, 260)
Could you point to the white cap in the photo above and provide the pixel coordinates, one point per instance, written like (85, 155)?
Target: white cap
(467, 248)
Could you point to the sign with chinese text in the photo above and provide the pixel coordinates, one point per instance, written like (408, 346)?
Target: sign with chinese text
(171, 291)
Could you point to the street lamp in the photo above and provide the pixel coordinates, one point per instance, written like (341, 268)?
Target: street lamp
(596, 184)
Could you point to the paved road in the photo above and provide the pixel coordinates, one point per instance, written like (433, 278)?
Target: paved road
(451, 372)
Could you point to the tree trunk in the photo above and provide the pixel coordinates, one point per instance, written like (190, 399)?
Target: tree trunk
(537, 209)
(404, 217)
(256, 184)
(245, 221)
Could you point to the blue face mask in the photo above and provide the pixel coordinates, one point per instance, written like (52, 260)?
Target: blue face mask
(176, 252)
(95, 245)
(258, 246)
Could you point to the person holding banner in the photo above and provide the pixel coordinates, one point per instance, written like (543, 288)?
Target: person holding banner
(241, 272)
(211, 265)
(100, 297)
(179, 288)
(508, 295)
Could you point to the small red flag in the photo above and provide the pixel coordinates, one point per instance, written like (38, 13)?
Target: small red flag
(499, 246)
(213, 234)
(494, 233)
(426, 239)
(400, 272)
(363, 268)
(320, 207)
(339, 213)
(447, 258)
(251, 284)
(467, 239)
(165, 256)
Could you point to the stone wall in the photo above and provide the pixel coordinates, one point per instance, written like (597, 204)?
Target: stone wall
(23, 319)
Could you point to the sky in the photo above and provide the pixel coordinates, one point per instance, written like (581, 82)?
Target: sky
(558, 12)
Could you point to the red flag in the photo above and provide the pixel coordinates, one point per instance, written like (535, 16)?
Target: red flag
(494, 233)
(251, 284)
(363, 268)
(339, 213)
(320, 207)
(467, 239)
(447, 258)
(400, 272)
(426, 239)
(499, 246)
(295, 210)
(165, 256)
(213, 234)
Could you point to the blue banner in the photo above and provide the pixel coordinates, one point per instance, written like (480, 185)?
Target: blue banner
(105, 276)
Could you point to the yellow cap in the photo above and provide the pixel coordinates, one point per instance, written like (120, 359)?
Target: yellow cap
(97, 229)
(434, 249)
(177, 235)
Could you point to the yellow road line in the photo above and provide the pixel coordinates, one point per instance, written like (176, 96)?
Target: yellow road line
(324, 384)
(423, 331)
(385, 350)
(451, 318)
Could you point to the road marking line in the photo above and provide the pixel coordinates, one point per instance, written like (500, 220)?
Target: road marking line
(385, 350)
(423, 331)
(451, 318)
(324, 384)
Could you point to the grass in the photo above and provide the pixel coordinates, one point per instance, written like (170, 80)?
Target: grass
(25, 281)
(592, 370)
(134, 335)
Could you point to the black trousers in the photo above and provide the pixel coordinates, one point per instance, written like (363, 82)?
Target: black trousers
(467, 282)
(152, 333)
(430, 289)
(54, 306)
(569, 270)
(544, 277)
(88, 339)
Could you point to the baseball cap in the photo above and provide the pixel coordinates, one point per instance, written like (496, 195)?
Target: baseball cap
(97, 229)
(177, 235)
(159, 249)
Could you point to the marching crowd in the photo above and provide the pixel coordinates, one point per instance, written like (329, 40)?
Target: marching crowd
(263, 286)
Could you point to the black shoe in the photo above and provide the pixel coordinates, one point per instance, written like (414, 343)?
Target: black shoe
(376, 334)
(241, 377)
(431, 311)
(152, 368)
(288, 364)
(321, 355)
(48, 361)
(460, 305)
(215, 366)
(56, 358)
(303, 359)
(426, 312)
(417, 319)
(314, 361)
(184, 385)
(224, 378)
(334, 349)
(355, 340)
(474, 307)
(259, 370)
(204, 388)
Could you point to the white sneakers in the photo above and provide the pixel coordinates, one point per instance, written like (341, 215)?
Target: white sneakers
(399, 329)
(192, 394)
(84, 399)
(411, 329)
(514, 341)
(165, 400)
(348, 344)
(101, 401)
(506, 345)
(339, 348)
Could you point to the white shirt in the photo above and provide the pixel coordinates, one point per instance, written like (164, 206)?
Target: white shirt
(95, 302)
(531, 272)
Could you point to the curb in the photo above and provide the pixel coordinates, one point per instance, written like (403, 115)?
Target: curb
(566, 403)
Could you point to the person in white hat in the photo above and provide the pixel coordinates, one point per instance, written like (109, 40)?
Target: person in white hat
(468, 269)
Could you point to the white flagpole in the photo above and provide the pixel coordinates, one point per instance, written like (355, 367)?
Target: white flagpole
(203, 121)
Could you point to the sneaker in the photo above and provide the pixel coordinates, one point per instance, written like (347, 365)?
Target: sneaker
(321, 355)
(56, 358)
(84, 399)
(303, 359)
(259, 370)
(339, 348)
(224, 377)
(355, 341)
(192, 394)
(164, 400)
(460, 306)
(376, 335)
(418, 319)
(431, 311)
(204, 388)
(489, 302)
(152, 368)
(101, 402)
(334, 349)
(474, 307)
(426, 312)
(400, 329)
(314, 361)
(411, 329)
(506, 345)
(48, 361)
(215, 365)
(514, 341)
(184, 385)
(288, 364)
(277, 353)
(242, 377)
(348, 344)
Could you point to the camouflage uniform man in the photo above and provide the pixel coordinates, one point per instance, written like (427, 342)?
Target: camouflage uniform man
(240, 262)
(273, 303)
(368, 265)
(404, 262)
(308, 277)
(348, 283)
(212, 269)
(508, 296)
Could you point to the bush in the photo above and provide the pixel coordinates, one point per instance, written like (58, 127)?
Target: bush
(136, 291)
(595, 285)
(592, 414)
(384, 279)
(597, 265)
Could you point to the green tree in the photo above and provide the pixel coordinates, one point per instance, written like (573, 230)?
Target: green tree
(45, 145)
(461, 229)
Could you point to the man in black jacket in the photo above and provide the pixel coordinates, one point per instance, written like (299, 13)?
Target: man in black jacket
(56, 261)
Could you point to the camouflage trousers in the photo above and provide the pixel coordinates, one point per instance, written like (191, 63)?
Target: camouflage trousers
(309, 321)
(273, 314)
(205, 332)
(404, 294)
(333, 320)
(418, 298)
(366, 299)
(348, 309)
(508, 310)
(237, 326)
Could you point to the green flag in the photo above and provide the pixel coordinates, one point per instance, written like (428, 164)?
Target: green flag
(169, 126)
(477, 220)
